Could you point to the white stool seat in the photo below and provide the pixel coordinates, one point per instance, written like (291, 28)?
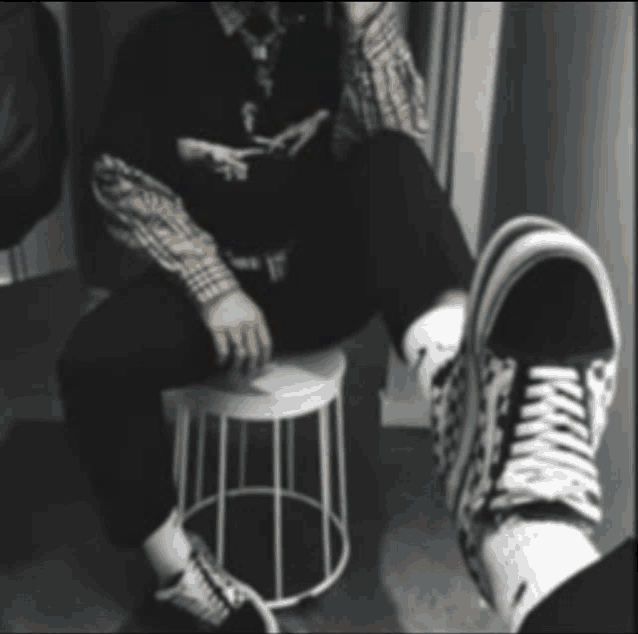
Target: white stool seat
(288, 388)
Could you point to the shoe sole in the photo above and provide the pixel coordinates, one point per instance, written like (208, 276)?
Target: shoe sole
(514, 260)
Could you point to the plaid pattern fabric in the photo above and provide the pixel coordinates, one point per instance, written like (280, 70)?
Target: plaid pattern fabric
(382, 86)
(382, 89)
(146, 215)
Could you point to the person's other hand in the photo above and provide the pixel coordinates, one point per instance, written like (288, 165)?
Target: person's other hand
(238, 326)
(358, 12)
(229, 162)
(296, 136)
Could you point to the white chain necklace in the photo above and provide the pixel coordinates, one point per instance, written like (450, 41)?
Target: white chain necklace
(264, 52)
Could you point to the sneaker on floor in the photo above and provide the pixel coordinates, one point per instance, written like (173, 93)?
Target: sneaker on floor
(207, 599)
(520, 411)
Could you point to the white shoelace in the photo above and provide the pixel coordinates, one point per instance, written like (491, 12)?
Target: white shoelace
(552, 455)
(197, 595)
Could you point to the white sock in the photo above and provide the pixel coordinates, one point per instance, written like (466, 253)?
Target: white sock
(439, 329)
(527, 560)
(168, 549)
(439, 332)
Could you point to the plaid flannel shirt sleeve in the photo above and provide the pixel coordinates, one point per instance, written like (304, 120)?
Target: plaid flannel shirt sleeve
(146, 215)
(382, 88)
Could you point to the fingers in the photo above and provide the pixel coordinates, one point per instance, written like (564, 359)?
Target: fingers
(248, 353)
(240, 171)
(191, 149)
(305, 137)
(239, 351)
(225, 170)
(294, 150)
(289, 134)
(308, 130)
(271, 144)
(223, 349)
(252, 349)
(266, 341)
(232, 170)
(254, 352)
(248, 152)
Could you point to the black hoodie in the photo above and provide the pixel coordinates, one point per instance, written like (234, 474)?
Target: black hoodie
(178, 75)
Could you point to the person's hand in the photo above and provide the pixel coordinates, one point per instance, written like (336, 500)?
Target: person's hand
(358, 12)
(237, 324)
(229, 162)
(297, 134)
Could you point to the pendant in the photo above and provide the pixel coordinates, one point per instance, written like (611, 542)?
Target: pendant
(268, 85)
(248, 114)
(260, 53)
(265, 81)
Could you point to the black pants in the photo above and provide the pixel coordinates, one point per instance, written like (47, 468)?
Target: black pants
(601, 598)
(401, 248)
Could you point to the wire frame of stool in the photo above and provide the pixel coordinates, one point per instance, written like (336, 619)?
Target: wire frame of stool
(182, 433)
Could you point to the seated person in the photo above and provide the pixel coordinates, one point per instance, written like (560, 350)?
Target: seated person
(272, 169)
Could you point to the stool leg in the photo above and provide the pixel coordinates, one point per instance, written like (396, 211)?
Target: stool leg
(277, 486)
(326, 493)
(200, 458)
(221, 493)
(291, 454)
(243, 443)
(341, 457)
(177, 449)
(183, 424)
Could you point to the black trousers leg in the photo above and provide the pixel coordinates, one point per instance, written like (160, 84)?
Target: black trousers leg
(601, 598)
(143, 339)
(416, 246)
(147, 338)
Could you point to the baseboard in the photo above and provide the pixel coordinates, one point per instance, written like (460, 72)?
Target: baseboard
(6, 277)
(403, 415)
(401, 402)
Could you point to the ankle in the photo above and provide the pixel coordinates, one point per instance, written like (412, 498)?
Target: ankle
(527, 560)
(168, 550)
(438, 330)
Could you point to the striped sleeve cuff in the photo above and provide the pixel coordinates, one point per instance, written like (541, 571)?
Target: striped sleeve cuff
(146, 215)
(211, 281)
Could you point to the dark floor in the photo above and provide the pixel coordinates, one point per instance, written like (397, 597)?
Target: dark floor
(59, 573)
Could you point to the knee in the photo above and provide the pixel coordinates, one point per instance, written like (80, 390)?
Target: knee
(390, 150)
(393, 143)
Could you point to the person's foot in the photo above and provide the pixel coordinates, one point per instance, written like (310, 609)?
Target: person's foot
(205, 598)
(520, 411)
(432, 340)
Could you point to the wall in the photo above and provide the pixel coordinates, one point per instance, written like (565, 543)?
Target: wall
(476, 97)
(563, 147)
(591, 174)
(456, 48)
